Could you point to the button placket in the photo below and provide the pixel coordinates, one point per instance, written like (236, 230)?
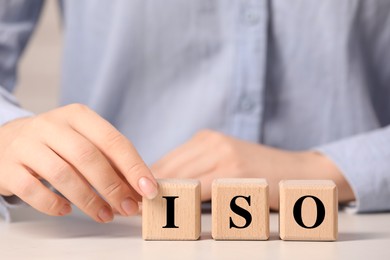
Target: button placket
(247, 104)
(252, 17)
(252, 41)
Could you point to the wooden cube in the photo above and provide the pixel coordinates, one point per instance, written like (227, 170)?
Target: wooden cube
(308, 210)
(175, 213)
(240, 209)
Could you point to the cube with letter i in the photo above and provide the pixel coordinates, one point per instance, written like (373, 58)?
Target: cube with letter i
(240, 209)
(308, 210)
(175, 212)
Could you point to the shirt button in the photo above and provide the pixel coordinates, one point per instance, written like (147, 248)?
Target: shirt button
(252, 18)
(247, 104)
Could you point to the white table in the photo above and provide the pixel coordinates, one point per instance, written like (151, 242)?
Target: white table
(32, 235)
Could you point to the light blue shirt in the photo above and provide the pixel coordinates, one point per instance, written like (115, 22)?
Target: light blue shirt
(295, 75)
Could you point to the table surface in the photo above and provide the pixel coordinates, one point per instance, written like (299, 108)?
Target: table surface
(35, 236)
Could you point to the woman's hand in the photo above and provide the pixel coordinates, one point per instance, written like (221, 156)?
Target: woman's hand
(210, 155)
(83, 156)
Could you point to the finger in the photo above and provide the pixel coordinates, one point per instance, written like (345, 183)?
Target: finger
(202, 165)
(191, 169)
(117, 148)
(170, 165)
(134, 194)
(66, 180)
(33, 192)
(206, 181)
(94, 167)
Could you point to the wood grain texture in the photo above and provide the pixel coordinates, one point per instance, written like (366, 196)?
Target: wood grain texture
(223, 191)
(187, 211)
(290, 192)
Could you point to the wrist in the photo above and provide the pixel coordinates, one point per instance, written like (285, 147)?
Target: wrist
(319, 166)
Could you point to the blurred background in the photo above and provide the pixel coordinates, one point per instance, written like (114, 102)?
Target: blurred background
(39, 69)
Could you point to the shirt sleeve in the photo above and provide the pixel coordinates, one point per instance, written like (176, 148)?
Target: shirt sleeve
(365, 162)
(17, 22)
(9, 108)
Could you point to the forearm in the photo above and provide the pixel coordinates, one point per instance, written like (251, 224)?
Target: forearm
(364, 162)
(277, 164)
(318, 166)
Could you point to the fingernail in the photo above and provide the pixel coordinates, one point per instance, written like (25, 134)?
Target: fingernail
(65, 210)
(105, 214)
(148, 188)
(129, 206)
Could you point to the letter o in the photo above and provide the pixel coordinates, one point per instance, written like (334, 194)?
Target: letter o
(298, 211)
